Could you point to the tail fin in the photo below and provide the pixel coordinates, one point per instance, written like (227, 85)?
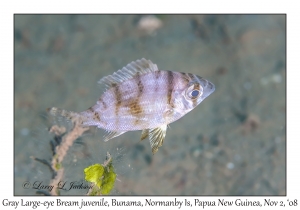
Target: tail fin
(69, 115)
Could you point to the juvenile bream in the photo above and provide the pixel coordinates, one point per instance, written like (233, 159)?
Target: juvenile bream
(141, 97)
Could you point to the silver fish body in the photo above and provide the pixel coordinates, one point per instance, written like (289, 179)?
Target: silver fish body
(142, 97)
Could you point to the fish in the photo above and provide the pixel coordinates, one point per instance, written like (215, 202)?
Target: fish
(141, 97)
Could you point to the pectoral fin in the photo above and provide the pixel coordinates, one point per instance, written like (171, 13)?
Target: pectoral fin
(157, 137)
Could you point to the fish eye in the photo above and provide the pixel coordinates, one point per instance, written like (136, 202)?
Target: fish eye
(194, 91)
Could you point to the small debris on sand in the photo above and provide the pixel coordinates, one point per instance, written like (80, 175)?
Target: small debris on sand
(149, 25)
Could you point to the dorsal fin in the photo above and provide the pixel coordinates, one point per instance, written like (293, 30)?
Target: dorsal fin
(142, 66)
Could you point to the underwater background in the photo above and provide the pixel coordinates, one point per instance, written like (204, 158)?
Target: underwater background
(233, 143)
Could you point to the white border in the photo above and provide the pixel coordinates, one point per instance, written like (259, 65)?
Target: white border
(8, 8)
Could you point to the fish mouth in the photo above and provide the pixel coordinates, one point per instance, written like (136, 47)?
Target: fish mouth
(210, 87)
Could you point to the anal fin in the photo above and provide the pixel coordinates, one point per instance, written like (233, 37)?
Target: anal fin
(157, 137)
(113, 134)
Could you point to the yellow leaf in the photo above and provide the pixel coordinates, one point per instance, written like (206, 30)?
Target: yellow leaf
(108, 180)
(94, 174)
